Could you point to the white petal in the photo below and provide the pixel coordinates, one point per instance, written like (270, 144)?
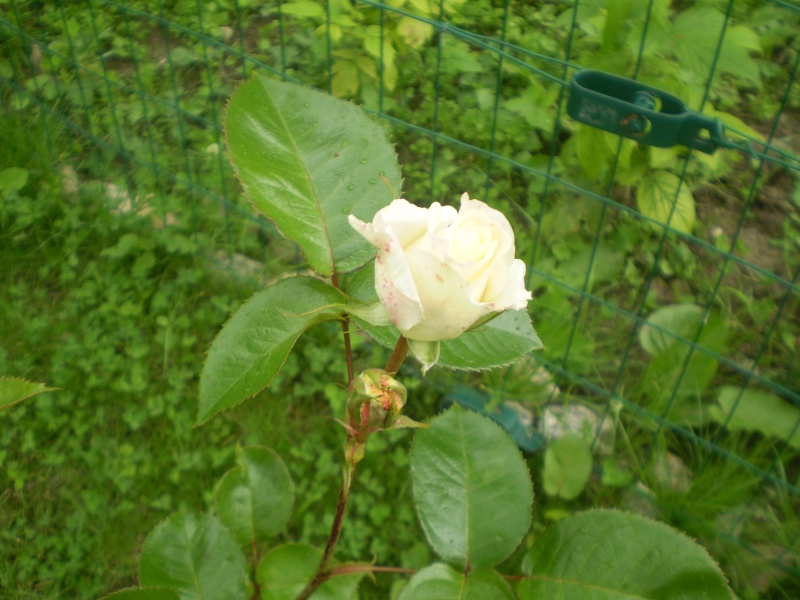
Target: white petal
(446, 297)
(395, 285)
(514, 296)
(407, 221)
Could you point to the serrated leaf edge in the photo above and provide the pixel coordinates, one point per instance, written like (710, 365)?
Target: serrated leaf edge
(30, 395)
(308, 326)
(636, 516)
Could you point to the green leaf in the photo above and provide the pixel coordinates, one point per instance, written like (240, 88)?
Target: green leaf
(142, 594)
(442, 582)
(284, 572)
(195, 556)
(255, 499)
(308, 160)
(303, 9)
(611, 555)
(757, 410)
(414, 32)
(614, 475)
(696, 34)
(14, 390)
(656, 196)
(674, 375)
(253, 345)
(345, 78)
(616, 26)
(498, 343)
(13, 178)
(677, 319)
(567, 467)
(472, 489)
(593, 150)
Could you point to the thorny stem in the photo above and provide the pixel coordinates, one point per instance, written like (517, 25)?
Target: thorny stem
(398, 355)
(347, 351)
(323, 573)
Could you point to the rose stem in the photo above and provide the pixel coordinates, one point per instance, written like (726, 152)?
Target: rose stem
(398, 355)
(323, 573)
(256, 588)
(345, 569)
(348, 353)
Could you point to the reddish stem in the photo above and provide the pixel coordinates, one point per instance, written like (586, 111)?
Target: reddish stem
(398, 355)
(323, 573)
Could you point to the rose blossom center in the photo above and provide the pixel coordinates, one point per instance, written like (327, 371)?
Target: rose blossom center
(472, 242)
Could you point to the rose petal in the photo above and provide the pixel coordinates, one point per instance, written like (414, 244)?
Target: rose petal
(514, 296)
(445, 297)
(407, 221)
(394, 283)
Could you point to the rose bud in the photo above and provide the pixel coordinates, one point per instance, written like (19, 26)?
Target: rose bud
(375, 400)
(439, 271)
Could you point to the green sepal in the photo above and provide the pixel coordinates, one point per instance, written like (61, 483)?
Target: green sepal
(425, 352)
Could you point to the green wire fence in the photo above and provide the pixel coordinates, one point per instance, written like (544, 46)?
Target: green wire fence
(475, 95)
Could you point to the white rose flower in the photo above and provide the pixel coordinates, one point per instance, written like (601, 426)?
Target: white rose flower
(438, 271)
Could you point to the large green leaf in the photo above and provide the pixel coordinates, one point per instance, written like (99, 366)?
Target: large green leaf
(14, 390)
(695, 34)
(194, 556)
(656, 196)
(611, 555)
(308, 160)
(253, 345)
(284, 572)
(255, 499)
(757, 410)
(442, 582)
(472, 489)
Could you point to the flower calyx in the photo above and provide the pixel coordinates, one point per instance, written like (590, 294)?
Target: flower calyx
(375, 401)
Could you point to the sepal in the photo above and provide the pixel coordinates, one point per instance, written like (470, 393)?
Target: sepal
(425, 352)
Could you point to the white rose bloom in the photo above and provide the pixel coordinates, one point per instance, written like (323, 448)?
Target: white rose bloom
(438, 271)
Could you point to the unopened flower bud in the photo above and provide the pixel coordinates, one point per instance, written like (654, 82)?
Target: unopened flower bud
(374, 401)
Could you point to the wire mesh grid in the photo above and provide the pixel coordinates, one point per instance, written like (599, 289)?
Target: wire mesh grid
(476, 101)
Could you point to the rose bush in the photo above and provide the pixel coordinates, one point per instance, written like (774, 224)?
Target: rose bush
(438, 270)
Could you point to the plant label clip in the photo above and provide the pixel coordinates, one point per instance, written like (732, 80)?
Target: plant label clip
(640, 112)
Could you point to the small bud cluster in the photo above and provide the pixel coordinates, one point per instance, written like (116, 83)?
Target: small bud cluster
(375, 400)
